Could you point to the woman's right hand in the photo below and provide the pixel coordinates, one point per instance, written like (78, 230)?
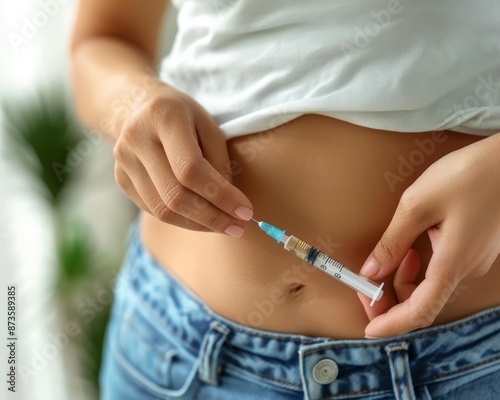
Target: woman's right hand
(172, 161)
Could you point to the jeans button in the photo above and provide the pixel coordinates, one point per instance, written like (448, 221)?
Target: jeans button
(325, 371)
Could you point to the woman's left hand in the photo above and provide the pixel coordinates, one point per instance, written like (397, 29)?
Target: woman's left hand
(457, 201)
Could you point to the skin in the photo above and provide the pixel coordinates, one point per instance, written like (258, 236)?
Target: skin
(461, 216)
(169, 150)
(161, 127)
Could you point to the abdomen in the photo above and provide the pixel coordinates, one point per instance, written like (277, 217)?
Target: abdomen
(335, 186)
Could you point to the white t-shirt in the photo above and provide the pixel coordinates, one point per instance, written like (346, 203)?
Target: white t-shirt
(398, 65)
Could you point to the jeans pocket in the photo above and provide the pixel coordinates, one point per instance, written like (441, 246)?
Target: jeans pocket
(154, 360)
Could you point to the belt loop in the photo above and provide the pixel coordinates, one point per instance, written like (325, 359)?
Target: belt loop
(399, 362)
(209, 352)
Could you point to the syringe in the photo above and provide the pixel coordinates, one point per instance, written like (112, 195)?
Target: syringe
(325, 263)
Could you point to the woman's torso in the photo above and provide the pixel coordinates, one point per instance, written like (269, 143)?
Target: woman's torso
(332, 184)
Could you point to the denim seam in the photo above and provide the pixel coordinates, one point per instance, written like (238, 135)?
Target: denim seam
(217, 326)
(394, 380)
(160, 321)
(296, 386)
(461, 325)
(399, 347)
(281, 338)
(399, 363)
(361, 392)
(408, 380)
(461, 370)
(155, 315)
(410, 337)
(145, 382)
(146, 341)
(219, 334)
(267, 378)
(427, 382)
(141, 381)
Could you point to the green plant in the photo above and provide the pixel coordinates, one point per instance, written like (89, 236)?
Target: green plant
(42, 133)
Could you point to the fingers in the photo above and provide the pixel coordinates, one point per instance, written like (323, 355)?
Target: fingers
(379, 307)
(213, 147)
(425, 301)
(179, 174)
(171, 196)
(406, 275)
(414, 313)
(404, 285)
(196, 173)
(149, 200)
(408, 223)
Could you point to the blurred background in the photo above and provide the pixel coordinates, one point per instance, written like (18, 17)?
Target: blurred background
(63, 220)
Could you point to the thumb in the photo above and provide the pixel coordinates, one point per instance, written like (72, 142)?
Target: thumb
(406, 225)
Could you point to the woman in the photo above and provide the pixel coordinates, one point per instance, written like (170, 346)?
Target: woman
(371, 133)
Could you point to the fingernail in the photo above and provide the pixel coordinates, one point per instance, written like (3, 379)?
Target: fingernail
(371, 337)
(244, 213)
(370, 268)
(234, 230)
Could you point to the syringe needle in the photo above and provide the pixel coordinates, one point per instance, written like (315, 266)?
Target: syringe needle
(325, 263)
(253, 219)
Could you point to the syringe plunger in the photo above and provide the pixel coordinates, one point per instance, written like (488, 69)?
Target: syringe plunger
(324, 262)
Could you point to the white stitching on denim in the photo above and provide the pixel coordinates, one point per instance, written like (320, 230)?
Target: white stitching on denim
(146, 383)
(398, 347)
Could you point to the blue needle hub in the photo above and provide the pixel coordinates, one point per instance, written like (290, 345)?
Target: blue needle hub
(272, 231)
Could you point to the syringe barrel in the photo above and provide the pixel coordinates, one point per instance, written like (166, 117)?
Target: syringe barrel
(333, 268)
(348, 277)
(297, 247)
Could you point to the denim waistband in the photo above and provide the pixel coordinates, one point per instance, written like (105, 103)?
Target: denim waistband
(287, 360)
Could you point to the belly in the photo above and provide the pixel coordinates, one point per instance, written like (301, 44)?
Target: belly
(335, 186)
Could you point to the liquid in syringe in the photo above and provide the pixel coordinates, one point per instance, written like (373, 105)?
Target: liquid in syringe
(324, 262)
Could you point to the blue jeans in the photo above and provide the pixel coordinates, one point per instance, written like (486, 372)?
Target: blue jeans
(164, 343)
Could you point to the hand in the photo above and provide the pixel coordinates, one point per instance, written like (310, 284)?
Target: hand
(172, 161)
(457, 201)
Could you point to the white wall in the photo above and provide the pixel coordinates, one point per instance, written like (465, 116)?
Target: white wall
(34, 55)
(34, 38)
(31, 57)
(28, 250)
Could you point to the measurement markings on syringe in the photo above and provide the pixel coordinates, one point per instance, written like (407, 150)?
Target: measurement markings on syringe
(332, 262)
(335, 274)
(323, 262)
